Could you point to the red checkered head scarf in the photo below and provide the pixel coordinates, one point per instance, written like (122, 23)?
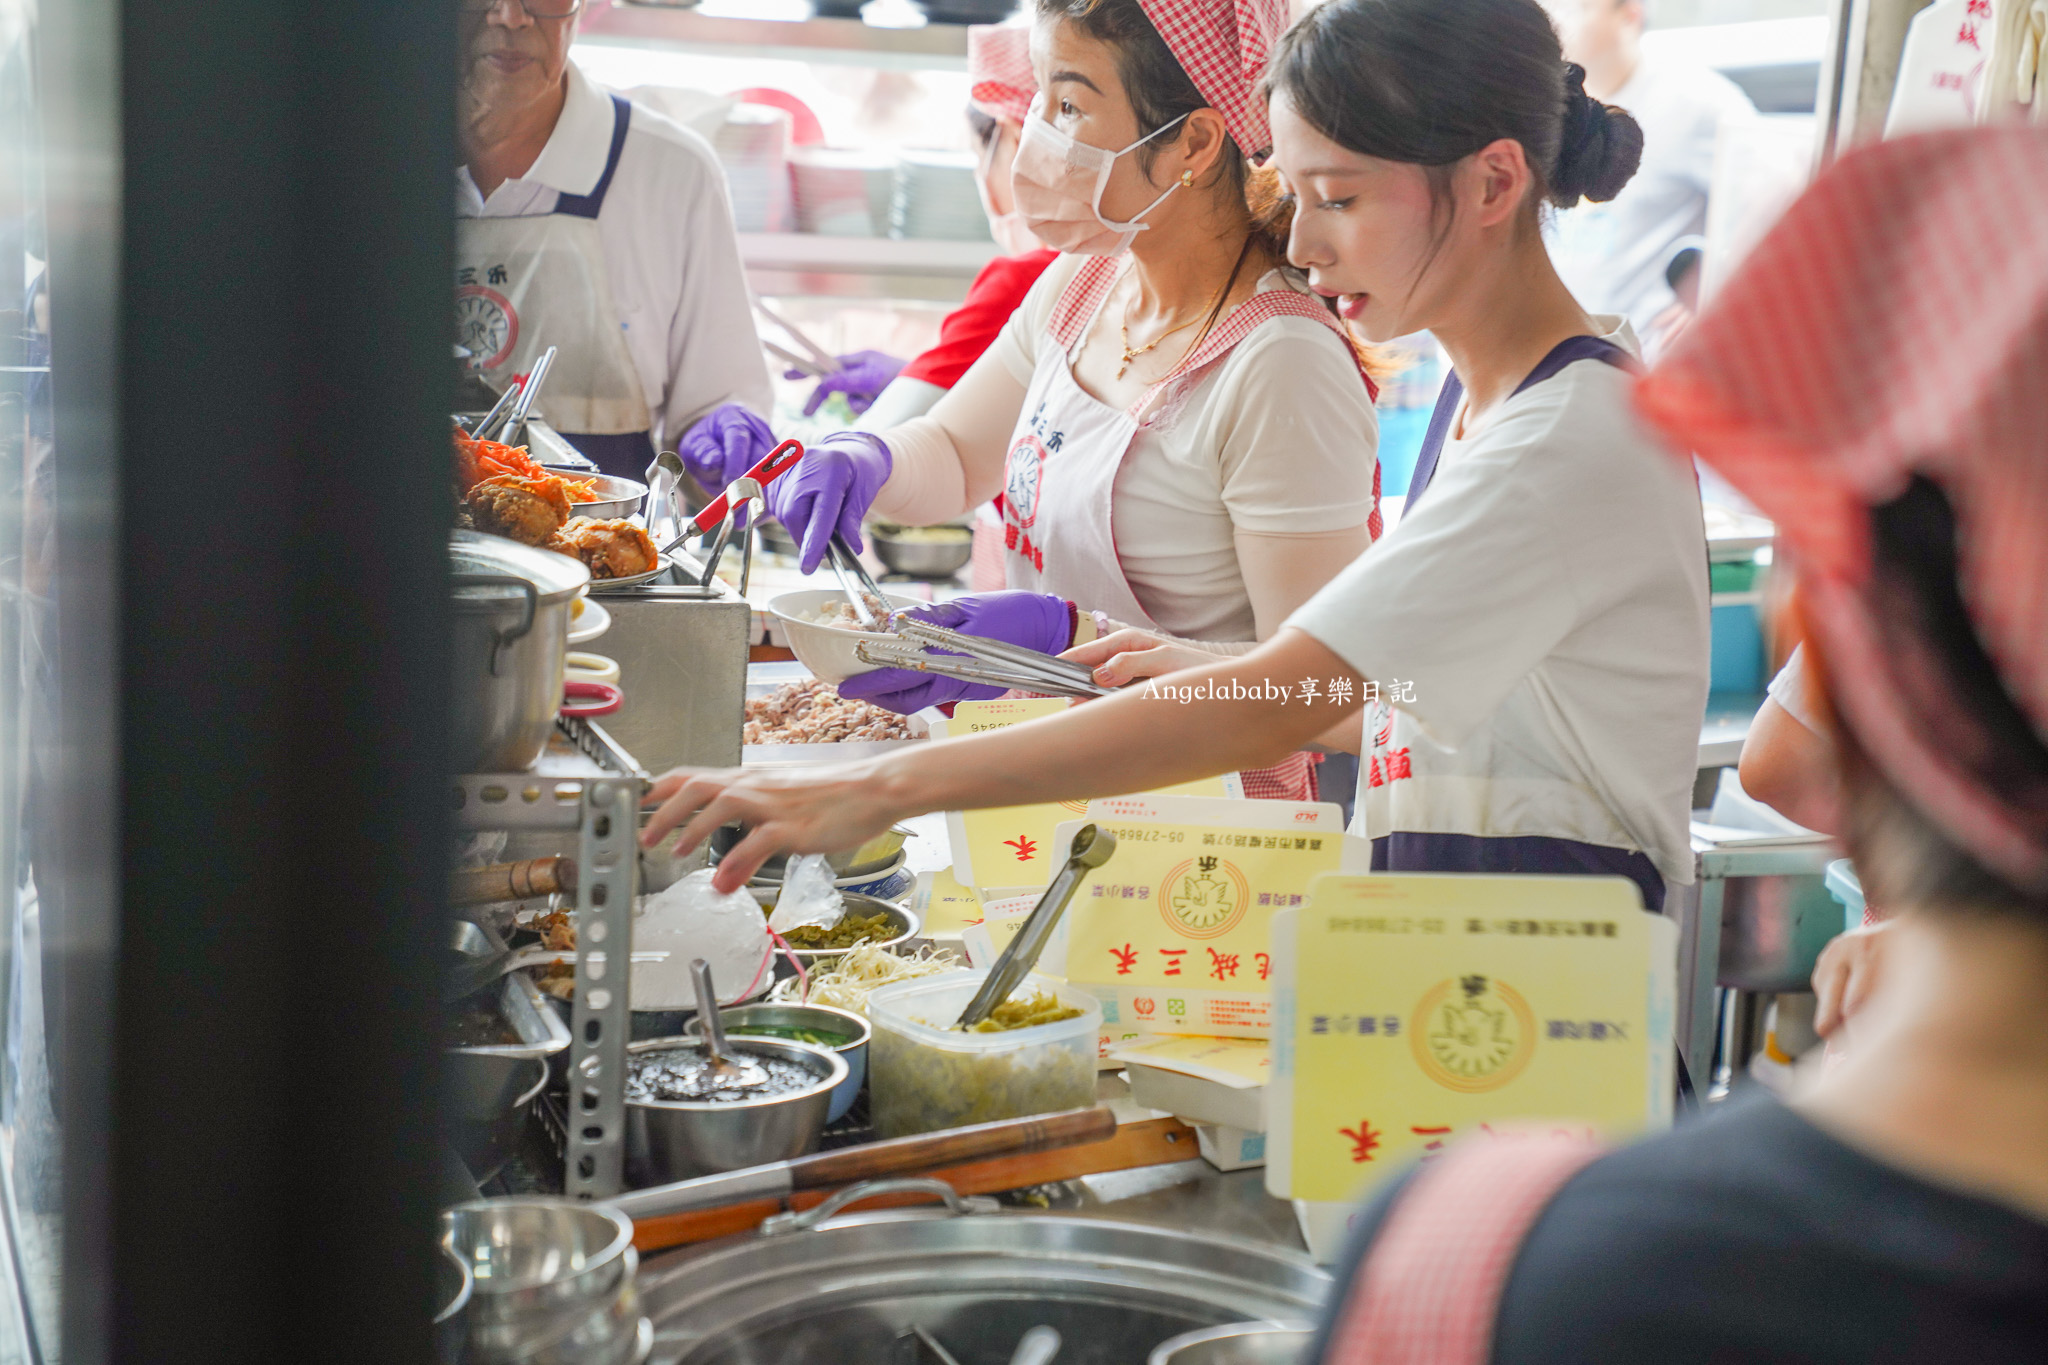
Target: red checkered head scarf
(1223, 45)
(1891, 332)
(999, 65)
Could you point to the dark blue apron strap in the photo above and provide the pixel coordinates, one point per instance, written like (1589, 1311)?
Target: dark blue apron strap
(587, 205)
(1564, 353)
(1526, 854)
(1447, 400)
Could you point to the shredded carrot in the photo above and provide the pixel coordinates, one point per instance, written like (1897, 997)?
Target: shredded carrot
(480, 460)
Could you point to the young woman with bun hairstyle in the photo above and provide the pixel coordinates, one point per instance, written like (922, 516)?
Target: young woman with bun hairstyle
(1893, 1209)
(1539, 616)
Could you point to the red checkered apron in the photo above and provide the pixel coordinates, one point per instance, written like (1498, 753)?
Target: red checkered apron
(1429, 1289)
(1058, 509)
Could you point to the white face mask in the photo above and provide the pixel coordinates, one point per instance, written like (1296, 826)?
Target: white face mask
(1059, 182)
(1010, 230)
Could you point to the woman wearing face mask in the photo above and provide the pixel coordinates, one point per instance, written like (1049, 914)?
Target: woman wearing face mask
(999, 67)
(1544, 599)
(1183, 437)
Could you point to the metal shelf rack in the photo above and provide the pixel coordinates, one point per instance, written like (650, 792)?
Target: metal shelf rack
(583, 781)
(722, 32)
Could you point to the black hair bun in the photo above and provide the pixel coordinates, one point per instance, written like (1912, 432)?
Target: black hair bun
(1600, 149)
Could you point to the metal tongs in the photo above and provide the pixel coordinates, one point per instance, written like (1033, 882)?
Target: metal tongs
(746, 492)
(513, 404)
(996, 663)
(858, 584)
(1091, 849)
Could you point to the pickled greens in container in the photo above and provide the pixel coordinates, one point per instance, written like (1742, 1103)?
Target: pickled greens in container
(924, 1074)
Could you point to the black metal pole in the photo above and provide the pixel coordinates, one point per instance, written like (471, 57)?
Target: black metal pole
(283, 484)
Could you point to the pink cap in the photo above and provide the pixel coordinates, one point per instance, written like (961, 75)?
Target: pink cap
(999, 65)
(1895, 324)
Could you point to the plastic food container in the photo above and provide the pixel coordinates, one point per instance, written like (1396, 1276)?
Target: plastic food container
(923, 1076)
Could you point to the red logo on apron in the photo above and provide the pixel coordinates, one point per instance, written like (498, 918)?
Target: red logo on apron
(487, 324)
(1021, 481)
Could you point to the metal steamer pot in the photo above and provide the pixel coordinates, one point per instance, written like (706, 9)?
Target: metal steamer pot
(511, 631)
(824, 1289)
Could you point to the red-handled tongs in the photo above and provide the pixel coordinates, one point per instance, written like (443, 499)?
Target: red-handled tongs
(724, 510)
(775, 463)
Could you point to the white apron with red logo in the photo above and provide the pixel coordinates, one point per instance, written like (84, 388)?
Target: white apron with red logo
(1060, 476)
(539, 280)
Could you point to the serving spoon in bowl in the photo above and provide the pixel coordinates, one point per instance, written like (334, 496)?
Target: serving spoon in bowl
(724, 1069)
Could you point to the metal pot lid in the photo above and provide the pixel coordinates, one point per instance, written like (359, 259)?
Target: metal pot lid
(555, 577)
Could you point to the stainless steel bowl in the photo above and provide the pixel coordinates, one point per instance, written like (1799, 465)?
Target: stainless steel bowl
(871, 857)
(1237, 1343)
(676, 1140)
(821, 1017)
(616, 497)
(904, 922)
(922, 558)
(534, 1257)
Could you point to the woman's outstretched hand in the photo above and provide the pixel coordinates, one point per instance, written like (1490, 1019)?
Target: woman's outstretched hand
(816, 810)
(1126, 655)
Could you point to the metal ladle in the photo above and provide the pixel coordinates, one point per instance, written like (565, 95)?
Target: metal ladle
(1037, 1347)
(724, 1068)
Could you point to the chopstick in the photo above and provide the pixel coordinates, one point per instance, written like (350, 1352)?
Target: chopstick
(826, 362)
(793, 360)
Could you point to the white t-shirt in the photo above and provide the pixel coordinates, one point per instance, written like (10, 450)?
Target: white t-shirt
(669, 250)
(1613, 256)
(1788, 689)
(1279, 436)
(1545, 606)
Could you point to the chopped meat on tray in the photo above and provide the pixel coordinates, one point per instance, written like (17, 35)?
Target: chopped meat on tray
(813, 712)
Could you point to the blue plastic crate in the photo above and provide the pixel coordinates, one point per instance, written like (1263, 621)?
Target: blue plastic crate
(1844, 886)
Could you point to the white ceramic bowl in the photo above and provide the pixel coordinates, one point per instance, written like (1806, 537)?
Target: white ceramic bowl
(826, 650)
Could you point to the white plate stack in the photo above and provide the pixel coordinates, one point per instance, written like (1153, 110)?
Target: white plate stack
(841, 192)
(936, 199)
(753, 144)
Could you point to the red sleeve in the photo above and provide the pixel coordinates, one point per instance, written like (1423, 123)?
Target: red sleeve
(971, 328)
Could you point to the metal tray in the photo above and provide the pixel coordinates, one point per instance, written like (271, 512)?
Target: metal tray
(603, 585)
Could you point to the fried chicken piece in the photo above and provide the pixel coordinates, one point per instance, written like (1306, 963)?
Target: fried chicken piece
(611, 549)
(529, 511)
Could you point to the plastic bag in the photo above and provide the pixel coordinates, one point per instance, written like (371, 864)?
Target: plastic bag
(690, 920)
(808, 897)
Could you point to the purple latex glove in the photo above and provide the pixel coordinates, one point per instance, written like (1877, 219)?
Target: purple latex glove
(725, 443)
(860, 377)
(1031, 619)
(830, 490)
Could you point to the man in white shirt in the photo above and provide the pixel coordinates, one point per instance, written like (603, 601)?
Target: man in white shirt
(602, 228)
(1617, 257)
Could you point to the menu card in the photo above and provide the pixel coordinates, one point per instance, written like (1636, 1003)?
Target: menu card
(1415, 1009)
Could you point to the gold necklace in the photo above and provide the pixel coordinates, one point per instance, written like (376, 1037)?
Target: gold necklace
(1131, 355)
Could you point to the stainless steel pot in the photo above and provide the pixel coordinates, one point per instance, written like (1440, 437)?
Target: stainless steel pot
(490, 1089)
(1240, 1343)
(847, 1289)
(511, 631)
(677, 1140)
